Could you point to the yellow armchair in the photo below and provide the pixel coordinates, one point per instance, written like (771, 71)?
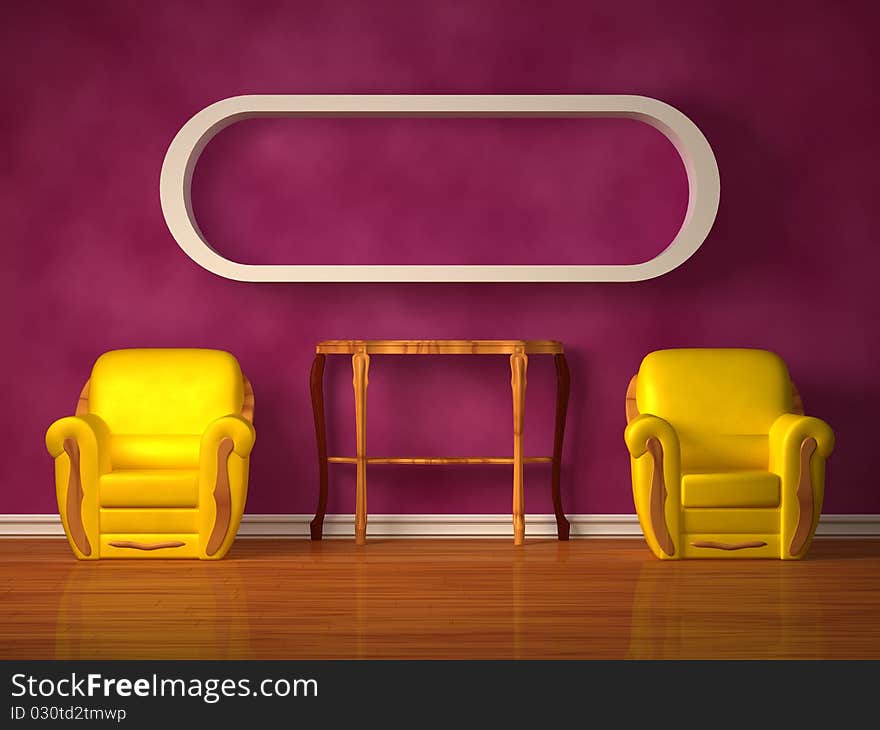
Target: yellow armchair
(155, 461)
(724, 462)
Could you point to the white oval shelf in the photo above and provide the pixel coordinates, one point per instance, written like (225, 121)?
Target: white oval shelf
(704, 185)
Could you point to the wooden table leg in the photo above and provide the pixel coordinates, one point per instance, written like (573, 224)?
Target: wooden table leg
(518, 365)
(316, 383)
(360, 363)
(562, 388)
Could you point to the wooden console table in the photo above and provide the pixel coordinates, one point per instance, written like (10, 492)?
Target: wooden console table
(361, 350)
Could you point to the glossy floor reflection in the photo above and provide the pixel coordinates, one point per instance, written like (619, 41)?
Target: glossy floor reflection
(292, 599)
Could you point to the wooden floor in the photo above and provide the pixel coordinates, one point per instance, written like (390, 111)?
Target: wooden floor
(294, 599)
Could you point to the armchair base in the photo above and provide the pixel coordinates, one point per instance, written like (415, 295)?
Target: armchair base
(730, 545)
(155, 545)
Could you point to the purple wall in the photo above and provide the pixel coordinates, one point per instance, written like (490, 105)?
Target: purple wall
(94, 92)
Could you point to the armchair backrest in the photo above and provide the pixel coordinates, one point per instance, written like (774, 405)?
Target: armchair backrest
(721, 402)
(164, 391)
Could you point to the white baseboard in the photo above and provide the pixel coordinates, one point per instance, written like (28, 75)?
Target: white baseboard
(440, 526)
(462, 526)
(31, 526)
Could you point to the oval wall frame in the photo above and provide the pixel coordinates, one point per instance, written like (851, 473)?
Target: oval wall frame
(704, 185)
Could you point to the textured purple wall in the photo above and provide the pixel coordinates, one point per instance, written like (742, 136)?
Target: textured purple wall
(94, 92)
(440, 191)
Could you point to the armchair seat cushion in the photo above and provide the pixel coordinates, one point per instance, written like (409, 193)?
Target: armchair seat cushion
(155, 452)
(136, 520)
(150, 488)
(730, 489)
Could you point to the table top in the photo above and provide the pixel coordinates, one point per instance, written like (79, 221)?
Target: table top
(439, 347)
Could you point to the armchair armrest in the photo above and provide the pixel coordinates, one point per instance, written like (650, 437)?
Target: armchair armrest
(80, 446)
(647, 426)
(223, 458)
(656, 485)
(233, 427)
(90, 433)
(790, 430)
(799, 446)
